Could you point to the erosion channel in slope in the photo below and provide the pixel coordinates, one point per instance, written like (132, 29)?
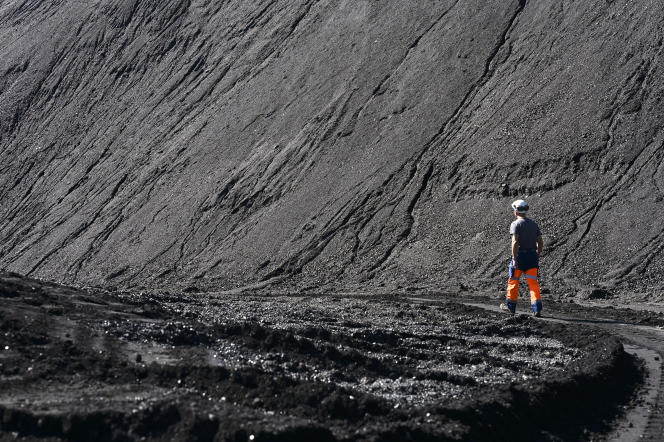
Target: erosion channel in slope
(330, 145)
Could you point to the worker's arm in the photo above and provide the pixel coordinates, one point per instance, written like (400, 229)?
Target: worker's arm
(515, 247)
(540, 244)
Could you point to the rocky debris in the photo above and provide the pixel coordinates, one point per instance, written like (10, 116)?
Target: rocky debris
(295, 368)
(595, 293)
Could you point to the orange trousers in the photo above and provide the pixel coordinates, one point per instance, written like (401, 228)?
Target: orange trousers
(533, 285)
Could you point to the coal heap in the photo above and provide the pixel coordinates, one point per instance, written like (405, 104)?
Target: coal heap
(329, 145)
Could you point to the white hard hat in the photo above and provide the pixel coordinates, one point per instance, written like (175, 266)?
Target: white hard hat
(520, 206)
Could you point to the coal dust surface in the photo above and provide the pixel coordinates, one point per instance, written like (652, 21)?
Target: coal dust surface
(99, 365)
(331, 145)
(249, 194)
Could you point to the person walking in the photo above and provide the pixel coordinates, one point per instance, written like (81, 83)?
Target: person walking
(526, 248)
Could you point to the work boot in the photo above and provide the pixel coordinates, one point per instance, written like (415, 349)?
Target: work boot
(504, 307)
(537, 308)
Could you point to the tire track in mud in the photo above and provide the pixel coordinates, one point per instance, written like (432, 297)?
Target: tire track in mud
(651, 411)
(645, 421)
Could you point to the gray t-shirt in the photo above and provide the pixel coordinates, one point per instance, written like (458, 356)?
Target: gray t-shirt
(528, 231)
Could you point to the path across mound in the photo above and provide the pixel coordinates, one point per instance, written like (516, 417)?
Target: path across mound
(645, 420)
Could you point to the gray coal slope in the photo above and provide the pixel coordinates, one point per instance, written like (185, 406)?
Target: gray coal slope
(337, 144)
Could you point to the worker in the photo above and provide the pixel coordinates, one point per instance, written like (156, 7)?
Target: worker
(526, 248)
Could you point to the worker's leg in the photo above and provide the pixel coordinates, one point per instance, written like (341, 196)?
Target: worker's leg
(533, 285)
(513, 287)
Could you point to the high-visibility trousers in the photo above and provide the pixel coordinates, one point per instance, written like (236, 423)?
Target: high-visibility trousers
(533, 284)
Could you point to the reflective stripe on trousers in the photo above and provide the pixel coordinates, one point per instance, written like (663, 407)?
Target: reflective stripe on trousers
(531, 279)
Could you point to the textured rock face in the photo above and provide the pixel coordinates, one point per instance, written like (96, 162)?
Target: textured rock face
(332, 143)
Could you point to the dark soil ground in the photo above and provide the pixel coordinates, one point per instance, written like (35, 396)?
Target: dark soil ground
(95, 365)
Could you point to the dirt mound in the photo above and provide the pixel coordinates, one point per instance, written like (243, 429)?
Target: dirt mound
(362, 145)
(81, 365)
